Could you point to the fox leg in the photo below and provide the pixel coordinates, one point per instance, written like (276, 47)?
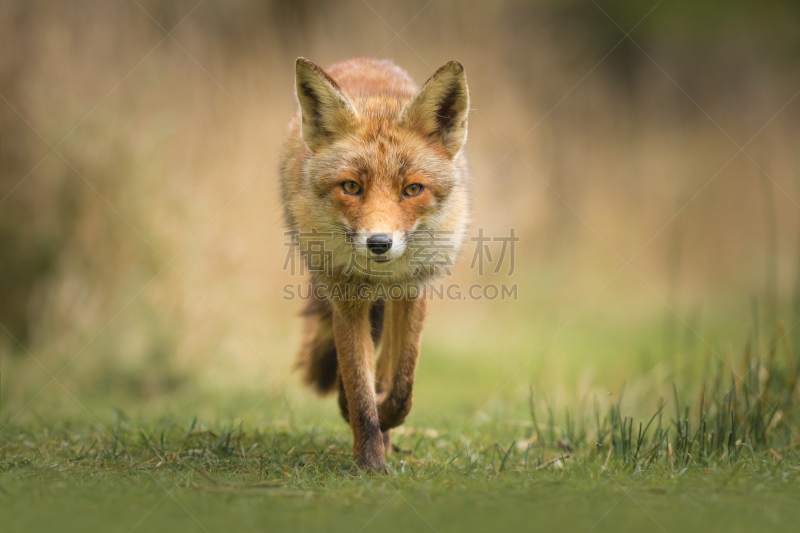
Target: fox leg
(387, 439)
(355, 349)
(343, 401)
(402, 334)
(387, 443)
(376, 327)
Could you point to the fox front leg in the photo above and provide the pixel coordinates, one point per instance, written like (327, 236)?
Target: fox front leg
(402, 335)
(355, 349)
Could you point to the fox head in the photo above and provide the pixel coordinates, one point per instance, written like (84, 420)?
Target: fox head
(384, 166)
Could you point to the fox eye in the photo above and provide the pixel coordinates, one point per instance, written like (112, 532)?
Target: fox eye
(412, 190)
(351, 187)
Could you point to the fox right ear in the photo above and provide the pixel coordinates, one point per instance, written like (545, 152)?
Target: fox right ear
(326, 112)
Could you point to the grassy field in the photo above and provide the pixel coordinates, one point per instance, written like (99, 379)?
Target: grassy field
(644, 152)
(721, 457)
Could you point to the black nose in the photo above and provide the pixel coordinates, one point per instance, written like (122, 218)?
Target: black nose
(379, 243)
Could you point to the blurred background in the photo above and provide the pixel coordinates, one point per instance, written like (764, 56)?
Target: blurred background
(645, 153)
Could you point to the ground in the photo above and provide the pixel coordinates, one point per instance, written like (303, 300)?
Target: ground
(514, 464)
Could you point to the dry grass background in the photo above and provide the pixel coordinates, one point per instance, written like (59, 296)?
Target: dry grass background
(140, 231)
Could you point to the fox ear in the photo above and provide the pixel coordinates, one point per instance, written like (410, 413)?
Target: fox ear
(440, 108)
(326, 112)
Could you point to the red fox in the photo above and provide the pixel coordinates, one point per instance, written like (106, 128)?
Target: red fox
(375, 189)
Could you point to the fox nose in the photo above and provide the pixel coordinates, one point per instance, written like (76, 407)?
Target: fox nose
(379, 243)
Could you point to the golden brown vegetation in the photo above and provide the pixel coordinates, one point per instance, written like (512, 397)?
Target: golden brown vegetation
(139, 223)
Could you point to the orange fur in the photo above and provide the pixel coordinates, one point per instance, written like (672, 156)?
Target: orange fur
(369, 155)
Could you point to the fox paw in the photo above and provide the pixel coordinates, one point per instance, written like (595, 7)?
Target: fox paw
(371, 457)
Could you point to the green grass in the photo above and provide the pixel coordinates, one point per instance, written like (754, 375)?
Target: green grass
(167, 476)
(714, 450)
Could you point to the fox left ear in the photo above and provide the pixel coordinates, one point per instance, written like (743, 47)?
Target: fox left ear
(440, 108)
(326, 112)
